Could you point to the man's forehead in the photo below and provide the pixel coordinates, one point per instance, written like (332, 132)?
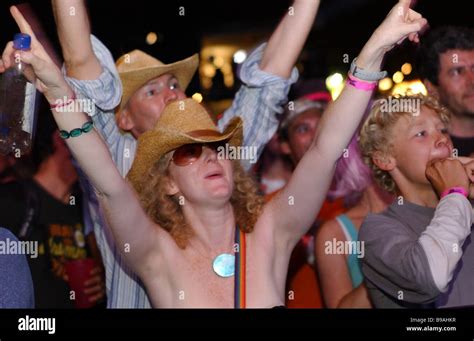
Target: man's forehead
(308, 115)
(453, 58)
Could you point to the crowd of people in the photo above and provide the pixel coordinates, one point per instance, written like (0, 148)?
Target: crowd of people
(353, 203)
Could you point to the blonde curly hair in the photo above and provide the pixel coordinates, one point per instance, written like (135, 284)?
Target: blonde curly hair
(166, 210)
(376, 132)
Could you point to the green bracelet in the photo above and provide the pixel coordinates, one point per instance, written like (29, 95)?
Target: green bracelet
(86, 127)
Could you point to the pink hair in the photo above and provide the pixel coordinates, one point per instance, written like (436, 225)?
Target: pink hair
(352, 175)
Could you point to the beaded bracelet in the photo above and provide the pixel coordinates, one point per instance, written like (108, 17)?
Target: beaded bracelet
(86, 127)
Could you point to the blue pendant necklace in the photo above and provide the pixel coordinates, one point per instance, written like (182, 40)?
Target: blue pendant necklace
(224, 265)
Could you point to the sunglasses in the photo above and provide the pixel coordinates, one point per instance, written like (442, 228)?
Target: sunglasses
(189, 153)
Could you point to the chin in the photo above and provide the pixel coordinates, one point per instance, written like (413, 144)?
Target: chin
(221, 193)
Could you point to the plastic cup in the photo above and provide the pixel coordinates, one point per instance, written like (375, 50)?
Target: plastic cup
(78, 272)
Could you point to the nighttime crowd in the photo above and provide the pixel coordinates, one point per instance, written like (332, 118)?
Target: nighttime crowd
(134, 195)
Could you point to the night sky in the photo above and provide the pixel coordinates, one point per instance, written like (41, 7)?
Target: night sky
(342, 26)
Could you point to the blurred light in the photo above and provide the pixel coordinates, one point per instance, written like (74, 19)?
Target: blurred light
(197, 97)
(409, 88)
(209, 70)
(226, 69)
(151, 38)
(335, 84)
(334, 81)
(398, 77)
(385, 84)
(218, 62)
(240, 56)
(406, 68)
(206, 83)
(229, 80)
(417, 87)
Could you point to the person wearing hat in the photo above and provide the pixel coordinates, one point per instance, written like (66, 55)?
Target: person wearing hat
(299, 124)
(213, 235)
(149, 85)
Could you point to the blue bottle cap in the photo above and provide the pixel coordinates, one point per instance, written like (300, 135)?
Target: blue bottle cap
(22, 41)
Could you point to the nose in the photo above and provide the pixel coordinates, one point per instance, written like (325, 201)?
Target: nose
(441, 140)
(169, 95)
(209, 154)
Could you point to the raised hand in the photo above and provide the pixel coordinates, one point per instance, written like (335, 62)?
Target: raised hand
(401, 23)
(468, 163)
(447, 173)
(43, 72)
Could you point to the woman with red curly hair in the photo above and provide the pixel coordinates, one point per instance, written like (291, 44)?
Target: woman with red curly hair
(214, 245)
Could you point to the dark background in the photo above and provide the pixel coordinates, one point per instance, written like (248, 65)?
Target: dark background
(342, 26)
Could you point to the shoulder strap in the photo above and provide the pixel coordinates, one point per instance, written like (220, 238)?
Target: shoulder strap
(347, 227)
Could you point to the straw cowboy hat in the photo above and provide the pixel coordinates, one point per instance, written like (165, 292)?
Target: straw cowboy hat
(136, 68)
(182, 122)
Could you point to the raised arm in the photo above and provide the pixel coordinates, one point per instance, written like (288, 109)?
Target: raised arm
(288, 39)
(267, 76)
(119, 200)
(294, 210)
(74, 35)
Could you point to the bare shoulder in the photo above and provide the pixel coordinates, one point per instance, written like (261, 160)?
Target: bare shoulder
(329, 230)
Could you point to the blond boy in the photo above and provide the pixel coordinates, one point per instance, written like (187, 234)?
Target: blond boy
(418, 252)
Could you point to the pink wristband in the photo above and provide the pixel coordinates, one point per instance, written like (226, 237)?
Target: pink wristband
(460, 190)
(361, 85)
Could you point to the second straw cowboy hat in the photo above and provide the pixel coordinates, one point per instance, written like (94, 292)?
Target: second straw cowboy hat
(136, 68)
(182, 122)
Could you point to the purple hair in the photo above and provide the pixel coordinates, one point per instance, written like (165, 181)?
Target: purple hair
(352, 175)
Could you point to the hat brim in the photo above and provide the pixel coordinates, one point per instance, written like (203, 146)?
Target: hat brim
(153, 145)
(133, 80)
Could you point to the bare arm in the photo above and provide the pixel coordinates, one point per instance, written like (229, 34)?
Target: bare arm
(336, 284)
(130, 225)
(357, 298)
(293, 211)
(74, 35)
(288, 39)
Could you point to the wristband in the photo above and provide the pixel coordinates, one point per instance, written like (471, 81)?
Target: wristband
(359, 84)
(364, 75)
(460, 190)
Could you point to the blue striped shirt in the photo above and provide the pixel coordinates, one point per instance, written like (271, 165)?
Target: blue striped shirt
(257, 102)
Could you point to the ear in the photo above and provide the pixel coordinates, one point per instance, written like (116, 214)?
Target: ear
(384, 161)
(170, 187)
(431, 88)
(124, 120)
